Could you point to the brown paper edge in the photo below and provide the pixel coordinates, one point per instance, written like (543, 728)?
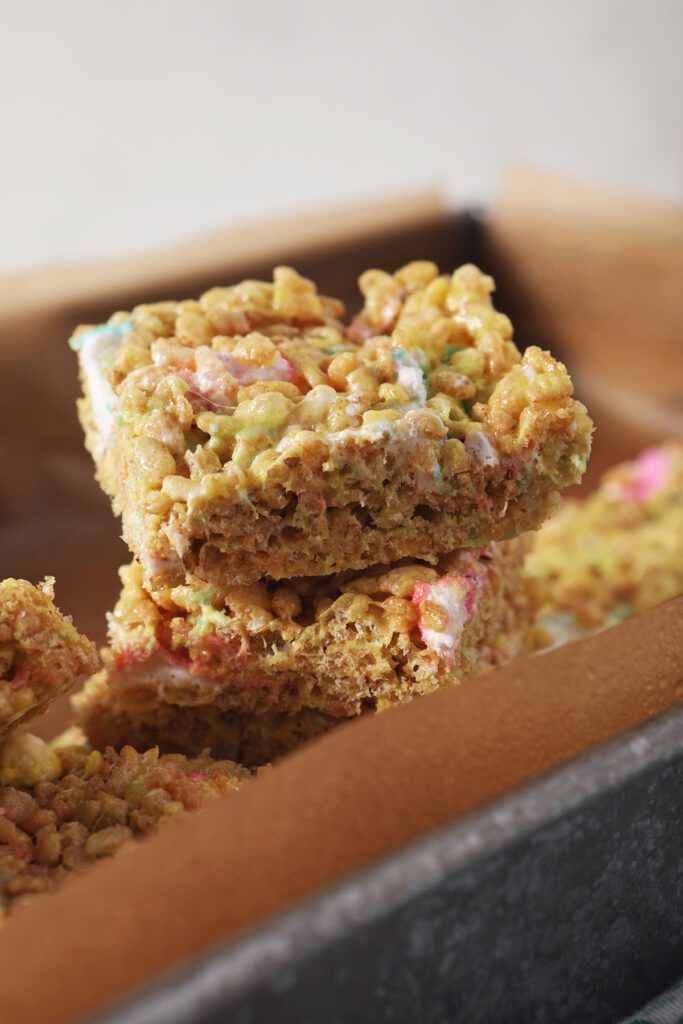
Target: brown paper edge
(225, 251)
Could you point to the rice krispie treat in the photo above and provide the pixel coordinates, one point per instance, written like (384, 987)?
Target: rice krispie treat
(334, 646)
(615, 553)
(253, 433)
(42, 655)
(63, 809)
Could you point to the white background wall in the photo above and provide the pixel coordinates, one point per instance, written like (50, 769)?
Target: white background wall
(131, 123)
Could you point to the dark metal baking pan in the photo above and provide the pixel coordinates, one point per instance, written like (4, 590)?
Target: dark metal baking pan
(560, 902)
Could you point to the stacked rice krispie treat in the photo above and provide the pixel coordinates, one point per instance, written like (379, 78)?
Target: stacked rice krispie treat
(253, 670)
(617, 552)
(325, 517)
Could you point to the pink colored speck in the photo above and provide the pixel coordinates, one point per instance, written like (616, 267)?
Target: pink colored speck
(246, 372)
(360, 331)
(471, 594)
(420, 593)
(651, 471)
(215, 398)
(462, 590)
(174, 658)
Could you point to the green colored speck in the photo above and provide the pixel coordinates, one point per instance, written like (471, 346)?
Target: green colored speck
(76, 343)
(625, 611)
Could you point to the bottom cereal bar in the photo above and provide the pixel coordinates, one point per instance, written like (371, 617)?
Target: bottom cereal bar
(203, 664)
(615, 553)
(62, 809)
(138, 715)
(42, 655)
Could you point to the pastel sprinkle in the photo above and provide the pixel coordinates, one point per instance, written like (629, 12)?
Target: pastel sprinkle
(76, 343)
(651, 472)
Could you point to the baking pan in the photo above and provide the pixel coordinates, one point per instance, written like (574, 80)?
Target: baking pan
(520, 912)
(523, 912)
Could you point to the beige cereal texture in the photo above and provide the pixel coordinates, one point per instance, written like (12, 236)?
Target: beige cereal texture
(64, 808)
(617, 552)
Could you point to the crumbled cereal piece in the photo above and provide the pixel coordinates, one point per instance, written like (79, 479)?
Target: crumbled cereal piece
(26, 760)
(64, 808)
(42, 655)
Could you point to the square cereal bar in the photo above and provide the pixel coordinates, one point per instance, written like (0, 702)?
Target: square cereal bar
(63, 809)
(42, 655)
(318, 648)
(253, 433)
(616, 552)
